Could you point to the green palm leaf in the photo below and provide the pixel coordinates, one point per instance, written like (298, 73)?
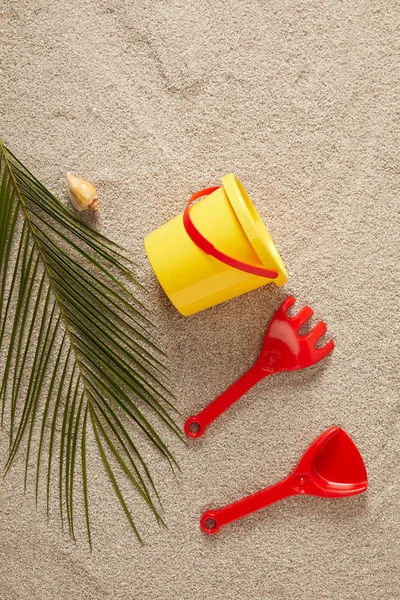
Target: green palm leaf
(78, 351)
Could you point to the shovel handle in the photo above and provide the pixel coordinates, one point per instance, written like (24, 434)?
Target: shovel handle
(207, 247)
(196, 425)
(212, 520)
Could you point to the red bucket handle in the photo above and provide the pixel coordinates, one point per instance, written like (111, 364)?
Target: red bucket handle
(210, 249)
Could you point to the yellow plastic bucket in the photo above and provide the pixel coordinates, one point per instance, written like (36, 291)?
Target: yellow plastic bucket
(217, 250)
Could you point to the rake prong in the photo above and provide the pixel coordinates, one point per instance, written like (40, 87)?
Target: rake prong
(315, 333)
(302, 316)
(325, 350)
(286, 304)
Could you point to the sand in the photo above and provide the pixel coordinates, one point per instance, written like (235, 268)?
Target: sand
(153, 101)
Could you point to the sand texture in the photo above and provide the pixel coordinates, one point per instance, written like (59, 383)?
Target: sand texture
(152, 101)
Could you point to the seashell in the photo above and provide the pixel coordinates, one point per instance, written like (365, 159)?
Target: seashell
(83, 194)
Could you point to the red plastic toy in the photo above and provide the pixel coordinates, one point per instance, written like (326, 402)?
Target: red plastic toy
(207, 247)
(283, 350)
(331, 467)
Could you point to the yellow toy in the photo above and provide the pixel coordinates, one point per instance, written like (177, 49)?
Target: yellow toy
(215, 250)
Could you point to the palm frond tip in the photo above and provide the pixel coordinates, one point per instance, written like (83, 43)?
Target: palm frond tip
(77, 349)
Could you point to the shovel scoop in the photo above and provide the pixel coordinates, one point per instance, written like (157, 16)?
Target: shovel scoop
(284, 349)
(331, 467)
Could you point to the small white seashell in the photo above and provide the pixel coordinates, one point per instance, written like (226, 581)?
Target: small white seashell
(83, 194)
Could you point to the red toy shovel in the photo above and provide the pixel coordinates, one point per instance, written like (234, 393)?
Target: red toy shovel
(283, 350)
(331, 467)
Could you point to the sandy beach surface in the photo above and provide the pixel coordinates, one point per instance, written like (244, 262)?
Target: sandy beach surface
(153, 101)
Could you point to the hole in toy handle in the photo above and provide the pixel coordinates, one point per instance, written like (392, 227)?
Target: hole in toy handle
(209, 522)
(193, 427)
(210, 249)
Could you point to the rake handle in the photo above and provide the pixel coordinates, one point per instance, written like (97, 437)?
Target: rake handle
(196, 425)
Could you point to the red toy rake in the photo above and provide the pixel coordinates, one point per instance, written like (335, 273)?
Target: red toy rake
(283, 350)
(331, 467)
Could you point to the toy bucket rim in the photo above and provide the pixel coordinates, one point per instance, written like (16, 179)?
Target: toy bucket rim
(253, 225)
(204, 244)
